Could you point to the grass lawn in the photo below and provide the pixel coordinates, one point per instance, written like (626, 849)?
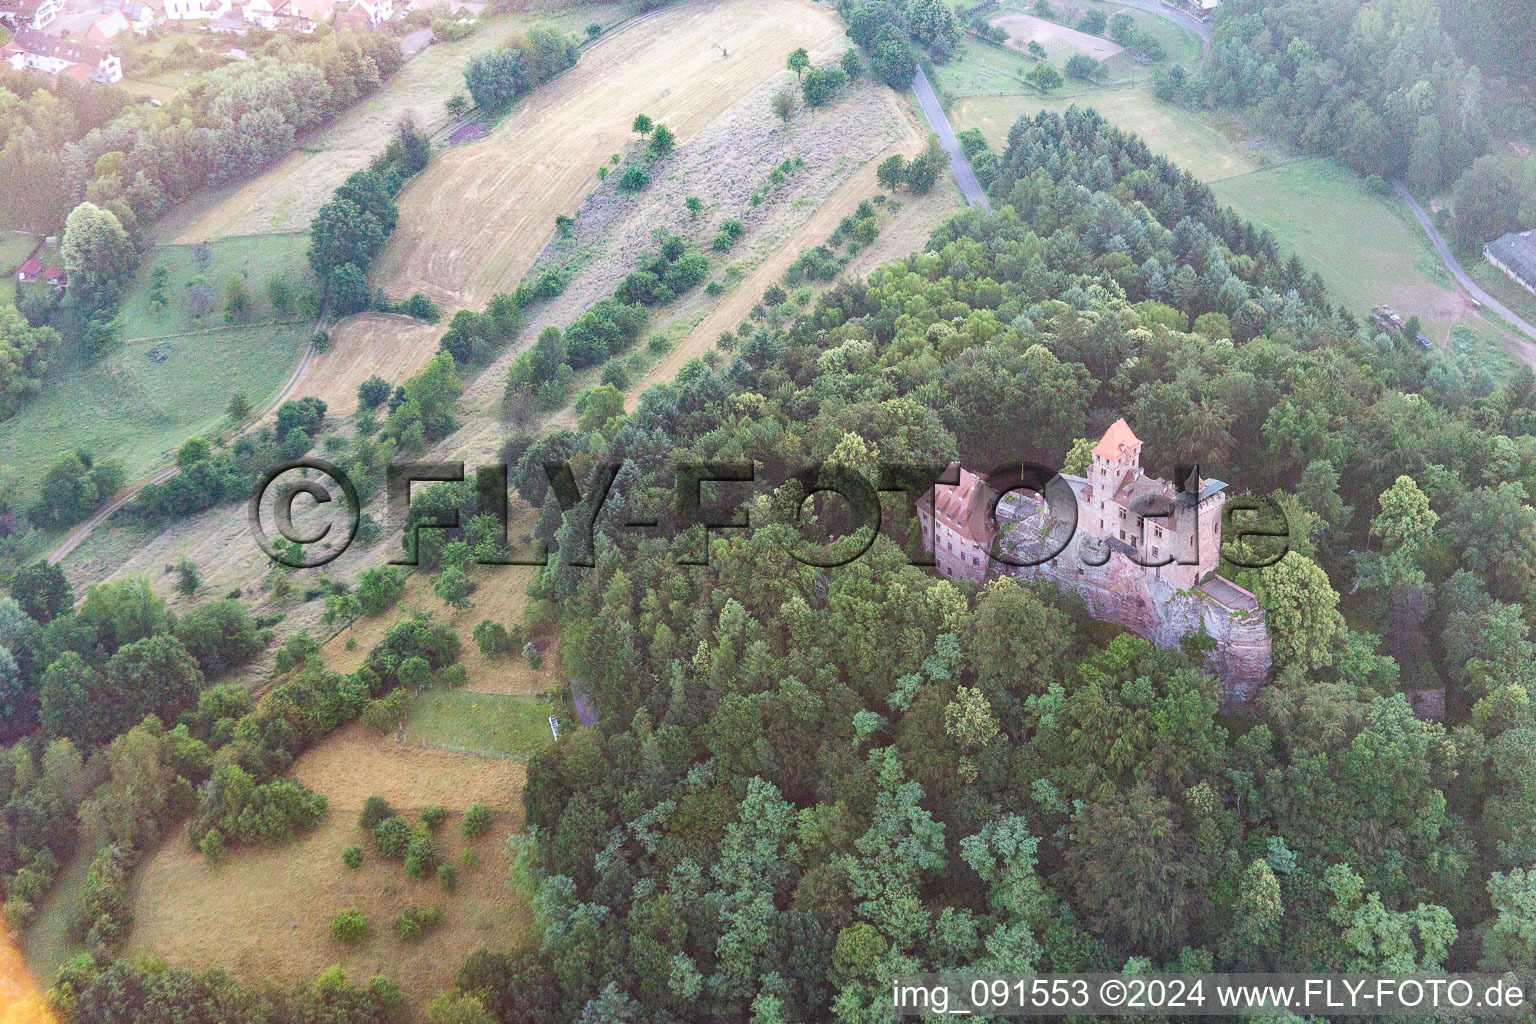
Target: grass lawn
(1187, 138)
(1496, 283)
(15, 246)
(486, 723)
(140, 409)
(258, 258)
(1365, 246)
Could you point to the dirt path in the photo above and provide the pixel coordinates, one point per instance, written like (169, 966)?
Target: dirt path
(83, 531)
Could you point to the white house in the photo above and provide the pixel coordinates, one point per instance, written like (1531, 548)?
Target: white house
(37, 14)
(196, 10)
(55, 56)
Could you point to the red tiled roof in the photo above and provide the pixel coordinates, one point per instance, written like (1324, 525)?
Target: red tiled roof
(1117, 440)
(31, 267)
(54, 273)
(963, 507)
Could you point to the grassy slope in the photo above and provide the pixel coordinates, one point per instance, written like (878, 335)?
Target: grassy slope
(259, 258)
(136, 409)
(1190, 140)
(1363, 245)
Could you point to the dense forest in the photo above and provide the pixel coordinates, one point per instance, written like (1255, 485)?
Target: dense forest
(807, 780)
(1392, 88)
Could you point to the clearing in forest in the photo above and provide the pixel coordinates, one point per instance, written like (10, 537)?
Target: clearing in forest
(474, 221)
(265, 912)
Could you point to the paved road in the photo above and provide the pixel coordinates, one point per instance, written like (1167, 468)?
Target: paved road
(959, 163)
(1490, 303)
(1182, 18)
(414, 43)
(76, 538)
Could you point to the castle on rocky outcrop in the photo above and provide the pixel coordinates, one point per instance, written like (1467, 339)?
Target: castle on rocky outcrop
(1142, 552)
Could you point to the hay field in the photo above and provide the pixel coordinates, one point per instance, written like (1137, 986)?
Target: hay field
(391, 346)
(1024, 29)
(265, 912)
(473, 222)
(1187, 138)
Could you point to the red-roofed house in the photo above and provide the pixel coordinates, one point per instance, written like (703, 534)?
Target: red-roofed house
(54, 276)
(103, 29)
(31, 270)
(54, 55)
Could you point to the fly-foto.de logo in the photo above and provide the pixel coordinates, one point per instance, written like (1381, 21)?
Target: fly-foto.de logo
(304, 513)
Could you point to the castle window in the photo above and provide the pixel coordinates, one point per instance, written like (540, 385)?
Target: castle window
(975, 560)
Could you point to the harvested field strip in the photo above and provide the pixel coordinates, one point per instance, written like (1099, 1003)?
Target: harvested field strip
(472, 223)
(367, 345)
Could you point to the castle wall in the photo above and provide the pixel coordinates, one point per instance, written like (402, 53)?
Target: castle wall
(1130, 595)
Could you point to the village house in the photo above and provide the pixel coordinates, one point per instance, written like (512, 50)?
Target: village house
(53, 55)
(196, 10)
(106, 28)
(289, 15)
(37, 14)
(366, 14)
(1515, 254)
(1142, 551)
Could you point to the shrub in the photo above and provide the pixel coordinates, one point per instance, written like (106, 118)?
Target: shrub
(421, 856)
(392, 837)
(634, 179)
(532, 656)
(410, 923)
(212, 846)
(352, 856)
(453, 676)
(375, 810)
(349, 926)
(433, 817)
(476, 821)
(447, 877)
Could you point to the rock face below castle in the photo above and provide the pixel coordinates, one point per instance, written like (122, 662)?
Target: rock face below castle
(1141, 552)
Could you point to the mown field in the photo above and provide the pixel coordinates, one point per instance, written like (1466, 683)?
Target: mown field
(472, 223)
(142, 401)
(493, 724)
(285, 198)
(1366, 247)
(265, 913)
(1192, 140)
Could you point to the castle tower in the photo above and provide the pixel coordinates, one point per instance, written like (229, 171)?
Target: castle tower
(1116, 461)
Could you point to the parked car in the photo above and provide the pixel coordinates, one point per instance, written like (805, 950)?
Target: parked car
(1425, 342)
